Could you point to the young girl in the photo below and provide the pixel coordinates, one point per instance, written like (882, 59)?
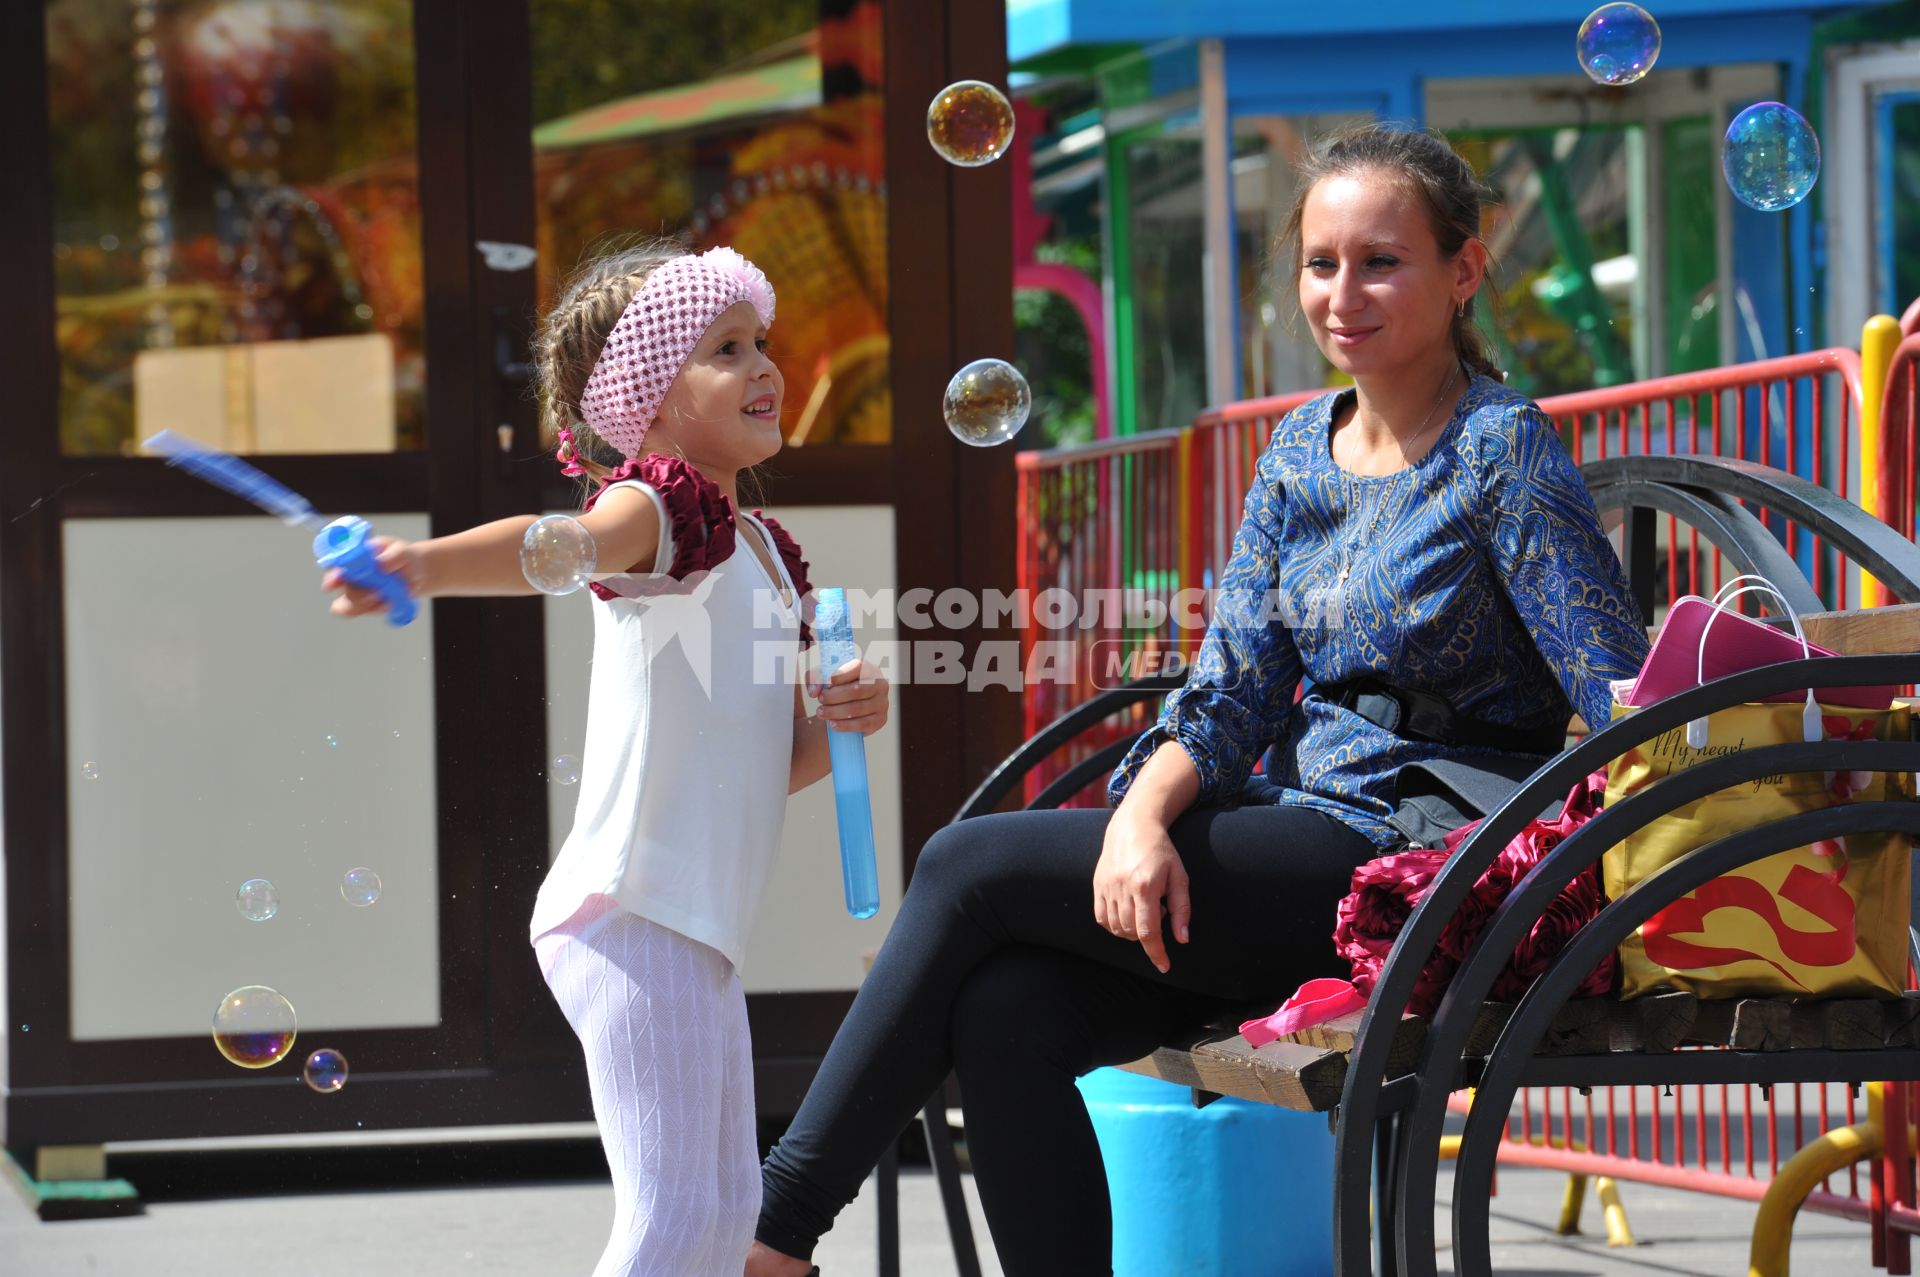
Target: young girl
(658, 359)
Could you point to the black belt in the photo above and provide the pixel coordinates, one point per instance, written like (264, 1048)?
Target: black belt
(1428, 716)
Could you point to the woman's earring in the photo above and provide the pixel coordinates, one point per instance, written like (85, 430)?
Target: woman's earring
(1462, 313)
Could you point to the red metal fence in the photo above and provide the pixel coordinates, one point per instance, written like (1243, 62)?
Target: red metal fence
(1795, 413)
(1724, 1140)
(1072, 540)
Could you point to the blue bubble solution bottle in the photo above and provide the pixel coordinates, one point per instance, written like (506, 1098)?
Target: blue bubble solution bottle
(853, 804)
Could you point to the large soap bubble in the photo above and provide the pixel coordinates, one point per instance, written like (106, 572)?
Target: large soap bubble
(258, 900)
(987, 402)
(970, 123)
(1618, 43)
(326, 1070)
(254, 1026)
(557, 554)
(360, 887)
(1771, 157)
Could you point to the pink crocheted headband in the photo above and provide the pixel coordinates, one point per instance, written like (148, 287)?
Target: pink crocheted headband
(657, 332)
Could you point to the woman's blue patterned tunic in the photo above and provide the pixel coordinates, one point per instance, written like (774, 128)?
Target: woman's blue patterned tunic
(1480, 572)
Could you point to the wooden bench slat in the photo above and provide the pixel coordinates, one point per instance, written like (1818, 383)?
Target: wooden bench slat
(1582, 1027)
(1855, 1024)
(1341, 1034)
(1303, 1078)
(1305, 1071)
(1759, 1025)
(1654, 1024)
(1866, 631)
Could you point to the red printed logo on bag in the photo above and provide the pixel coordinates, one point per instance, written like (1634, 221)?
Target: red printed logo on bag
(1820, 894)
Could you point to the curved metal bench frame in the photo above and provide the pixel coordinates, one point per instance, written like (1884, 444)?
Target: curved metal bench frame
(1390, 1126)
(1707, 493)
(1412, 1106)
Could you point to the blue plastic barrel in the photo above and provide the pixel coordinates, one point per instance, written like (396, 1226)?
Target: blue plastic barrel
(1234, 1189)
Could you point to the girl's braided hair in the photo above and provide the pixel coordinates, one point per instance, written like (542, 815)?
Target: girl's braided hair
(569, 342)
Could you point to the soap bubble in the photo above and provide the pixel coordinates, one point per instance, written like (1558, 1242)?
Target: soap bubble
(557, 554)
(1772, 157)
(1618, 43)
(326, 1070)
(90, 771)
(970, 123)
(987, 402)
(254, 1026)
(360, 887)
(258, 899)
(566, 769)
(333, 742)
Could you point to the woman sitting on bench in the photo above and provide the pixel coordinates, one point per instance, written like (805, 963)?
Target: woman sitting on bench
(1420, 549)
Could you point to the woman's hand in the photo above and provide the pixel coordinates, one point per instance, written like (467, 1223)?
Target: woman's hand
(402, 558)
(854, 699)
(1138, 871)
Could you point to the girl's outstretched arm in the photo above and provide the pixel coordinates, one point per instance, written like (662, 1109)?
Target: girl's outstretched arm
(485, 561)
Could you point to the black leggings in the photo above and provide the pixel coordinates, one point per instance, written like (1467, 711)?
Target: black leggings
(996, 970)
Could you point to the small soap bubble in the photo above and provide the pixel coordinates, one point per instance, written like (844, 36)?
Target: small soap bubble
(254, 1026)
(258, 899)
(90, 771)
(326, 1070)
(987, 402)
(566, 769)
(1618, 43)
(557, 554)
(1772, 157)
(970, 123)
(360, 887)
(333, 743)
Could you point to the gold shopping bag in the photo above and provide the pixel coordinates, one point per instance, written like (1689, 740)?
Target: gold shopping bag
(1828, 920)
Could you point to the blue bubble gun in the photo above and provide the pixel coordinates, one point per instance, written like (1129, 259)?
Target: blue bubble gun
(342, 544)
(852, 803)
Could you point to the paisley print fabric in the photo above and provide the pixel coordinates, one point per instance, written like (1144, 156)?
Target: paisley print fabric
(1481, 573)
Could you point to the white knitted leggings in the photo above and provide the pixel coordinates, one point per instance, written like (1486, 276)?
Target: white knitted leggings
(664, 1024)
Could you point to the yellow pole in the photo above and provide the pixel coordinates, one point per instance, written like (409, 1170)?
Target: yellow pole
(1803, 1172)
(1613, 1212)
(1877, 343)
(1773, 1224)
(1187, 555)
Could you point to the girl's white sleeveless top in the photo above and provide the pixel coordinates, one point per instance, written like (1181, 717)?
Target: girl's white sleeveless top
(683, 779)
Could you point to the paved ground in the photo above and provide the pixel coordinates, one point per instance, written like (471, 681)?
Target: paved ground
(423, 1206)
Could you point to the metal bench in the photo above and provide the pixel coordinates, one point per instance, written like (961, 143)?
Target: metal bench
(1385, 1077)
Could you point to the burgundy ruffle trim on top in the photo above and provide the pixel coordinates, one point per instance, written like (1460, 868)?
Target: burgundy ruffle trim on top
(789, 551)
(699, 516)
